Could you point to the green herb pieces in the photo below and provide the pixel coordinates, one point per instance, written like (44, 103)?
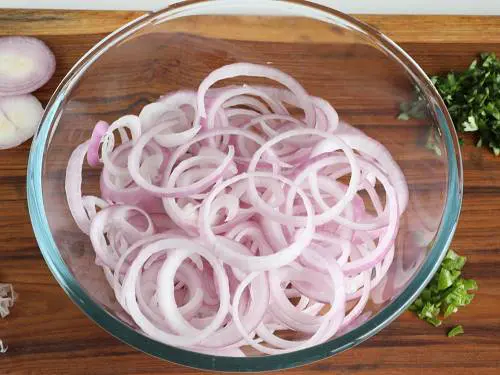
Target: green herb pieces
(404, 116)
(453, 261)
(433, 142)
(413, 109)
(457, 330)
(446, 279)
(446, 293)
(430, 313)
(472, 98)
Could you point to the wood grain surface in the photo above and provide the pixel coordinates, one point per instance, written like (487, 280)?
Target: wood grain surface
(48, 334)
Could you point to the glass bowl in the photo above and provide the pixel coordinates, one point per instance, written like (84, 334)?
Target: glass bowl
(362, 73)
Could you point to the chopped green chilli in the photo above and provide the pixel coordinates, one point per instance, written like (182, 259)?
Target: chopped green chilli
(457, 330)
(446, 293)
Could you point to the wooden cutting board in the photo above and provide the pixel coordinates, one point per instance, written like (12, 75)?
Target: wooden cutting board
(48, 334)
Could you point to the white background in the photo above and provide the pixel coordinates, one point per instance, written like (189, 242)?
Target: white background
(491, 7)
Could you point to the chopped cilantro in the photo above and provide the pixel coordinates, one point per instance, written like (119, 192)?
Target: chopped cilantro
(472, 98)
(433, 142)
(457, 330)
(446, 293)
(404, 116)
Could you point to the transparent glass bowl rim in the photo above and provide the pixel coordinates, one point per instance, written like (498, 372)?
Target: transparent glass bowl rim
(123, 332)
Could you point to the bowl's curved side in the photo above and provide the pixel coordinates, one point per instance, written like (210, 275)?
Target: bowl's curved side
(125, 333)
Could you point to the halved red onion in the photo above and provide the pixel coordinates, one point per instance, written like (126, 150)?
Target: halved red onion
(19, 118)
(26, 64)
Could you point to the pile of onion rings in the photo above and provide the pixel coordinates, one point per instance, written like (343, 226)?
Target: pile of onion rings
(228, 216)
